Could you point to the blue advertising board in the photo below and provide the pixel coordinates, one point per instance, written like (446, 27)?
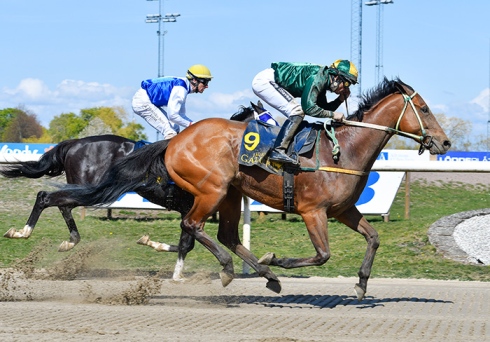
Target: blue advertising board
(461, 156)
(24, 148)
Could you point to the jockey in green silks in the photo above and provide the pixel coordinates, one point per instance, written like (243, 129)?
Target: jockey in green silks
(280, 84)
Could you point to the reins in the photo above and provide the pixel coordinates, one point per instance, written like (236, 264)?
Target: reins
(336, 149)
(419, 138)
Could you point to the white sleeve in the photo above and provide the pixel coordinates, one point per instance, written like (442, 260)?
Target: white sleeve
(176, 107)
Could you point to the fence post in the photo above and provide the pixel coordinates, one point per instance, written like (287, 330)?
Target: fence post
(246, 230)
(407, 195)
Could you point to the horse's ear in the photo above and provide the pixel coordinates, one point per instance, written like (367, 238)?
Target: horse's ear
(402, 87)
(256, 107)
(260, 104)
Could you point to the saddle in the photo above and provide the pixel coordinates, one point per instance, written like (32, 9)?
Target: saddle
(259, 137)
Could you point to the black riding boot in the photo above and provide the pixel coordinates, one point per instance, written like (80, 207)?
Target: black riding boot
(286, 134)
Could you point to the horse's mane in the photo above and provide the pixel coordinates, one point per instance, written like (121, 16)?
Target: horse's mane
(243, 114)
(373, 96)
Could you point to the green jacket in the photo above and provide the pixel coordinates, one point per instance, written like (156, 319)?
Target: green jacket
(310, 82)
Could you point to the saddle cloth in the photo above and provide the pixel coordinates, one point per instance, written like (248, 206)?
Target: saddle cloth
(259, 137)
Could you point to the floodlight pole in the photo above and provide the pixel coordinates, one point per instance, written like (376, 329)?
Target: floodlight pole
(379, 36)
(158, 18)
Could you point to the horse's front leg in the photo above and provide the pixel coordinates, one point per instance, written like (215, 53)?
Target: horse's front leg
(186, 244)
(316, 223)
(230, 212)
(353, 219)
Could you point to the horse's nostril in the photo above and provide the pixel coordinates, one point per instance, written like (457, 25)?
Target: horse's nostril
(447, 143)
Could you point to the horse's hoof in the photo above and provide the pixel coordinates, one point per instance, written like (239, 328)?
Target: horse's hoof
(360, 292)
(267, 258)
(226, 278)
(10, 234)
(66, 246)
(179, 279)
(143, 240)
(274, 285)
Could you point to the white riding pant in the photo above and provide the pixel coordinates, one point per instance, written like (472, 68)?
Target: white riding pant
(265, 87)
(155, 116)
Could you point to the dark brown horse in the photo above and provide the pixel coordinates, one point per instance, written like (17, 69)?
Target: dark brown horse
(86, 161)
(203, 160)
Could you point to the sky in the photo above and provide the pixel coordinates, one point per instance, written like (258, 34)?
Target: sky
(64, 56)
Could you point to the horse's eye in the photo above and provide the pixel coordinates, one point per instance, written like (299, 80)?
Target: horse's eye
(425, 109)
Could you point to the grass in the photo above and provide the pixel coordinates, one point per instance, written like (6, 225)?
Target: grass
(405, 251)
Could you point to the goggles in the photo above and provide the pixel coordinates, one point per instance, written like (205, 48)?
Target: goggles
(345, 82)
(204, 81)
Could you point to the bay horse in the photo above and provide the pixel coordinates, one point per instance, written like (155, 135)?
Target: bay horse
(203, 160)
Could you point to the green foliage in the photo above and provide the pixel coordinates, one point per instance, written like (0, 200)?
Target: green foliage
(405, 250)
(6, 115)
(132, 130)
(66, 126)
(19, 125)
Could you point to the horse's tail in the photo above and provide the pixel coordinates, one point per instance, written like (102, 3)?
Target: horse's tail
(143, 169)
(50, 164)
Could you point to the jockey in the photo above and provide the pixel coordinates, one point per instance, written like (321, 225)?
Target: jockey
(280, 84)
(161, 101)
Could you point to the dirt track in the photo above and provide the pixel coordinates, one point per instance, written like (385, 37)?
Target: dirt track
(308, 309)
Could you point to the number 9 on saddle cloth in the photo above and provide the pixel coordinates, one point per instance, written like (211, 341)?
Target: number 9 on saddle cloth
(259, 137)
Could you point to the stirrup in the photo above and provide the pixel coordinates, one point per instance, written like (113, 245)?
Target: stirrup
(280, 157)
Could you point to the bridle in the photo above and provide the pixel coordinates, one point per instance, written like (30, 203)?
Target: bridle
(424, 140)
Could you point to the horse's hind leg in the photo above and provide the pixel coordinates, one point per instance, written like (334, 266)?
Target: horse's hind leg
(354, 220)
(72, 227)
(193, 223)
(230, 213)
(41, 203)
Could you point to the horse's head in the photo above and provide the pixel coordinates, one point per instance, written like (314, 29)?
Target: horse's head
(255, 111)
(418, 120)
(403, 112)
(245, 114)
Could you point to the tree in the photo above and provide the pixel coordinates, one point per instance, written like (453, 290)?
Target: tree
(132, 131)
(66, 126)
(482, 143)
(23, 125)
(457, 130)
(45, 138)
(95, 127)
(7, 115)
(113, 117)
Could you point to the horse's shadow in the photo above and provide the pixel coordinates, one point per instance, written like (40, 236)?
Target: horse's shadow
(301, 301)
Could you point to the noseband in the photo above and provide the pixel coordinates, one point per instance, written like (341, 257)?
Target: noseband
(424, 140)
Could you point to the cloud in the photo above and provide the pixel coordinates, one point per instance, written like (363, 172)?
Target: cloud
(229, 101)
(29, 89)
(67, 96)
(483, 99)
(217, 104)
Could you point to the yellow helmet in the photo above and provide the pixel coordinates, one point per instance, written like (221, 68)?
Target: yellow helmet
(199, 71)
(346, 69)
